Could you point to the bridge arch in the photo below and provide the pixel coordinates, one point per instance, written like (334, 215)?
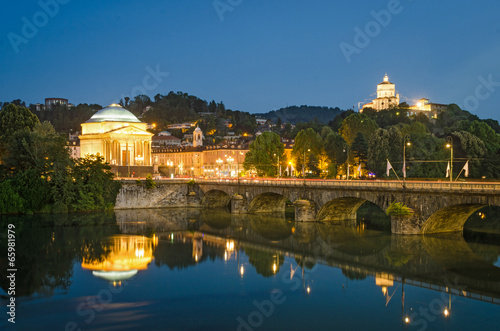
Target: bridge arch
(267, 203)
(450, 218)
(340, 210)
(216, 199)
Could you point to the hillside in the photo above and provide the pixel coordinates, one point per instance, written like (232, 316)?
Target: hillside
(295, 114)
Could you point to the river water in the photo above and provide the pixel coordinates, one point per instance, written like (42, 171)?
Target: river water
(189, 269)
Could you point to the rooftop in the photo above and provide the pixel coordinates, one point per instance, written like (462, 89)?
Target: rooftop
(113, 113)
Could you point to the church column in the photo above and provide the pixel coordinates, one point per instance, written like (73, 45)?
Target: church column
(135, 152)
(127, 155)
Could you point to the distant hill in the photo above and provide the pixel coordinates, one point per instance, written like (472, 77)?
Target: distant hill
(295, 114)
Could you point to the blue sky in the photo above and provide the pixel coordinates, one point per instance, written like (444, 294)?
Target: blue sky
(262, 55)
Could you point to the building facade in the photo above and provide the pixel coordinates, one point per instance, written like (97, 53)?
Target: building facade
(386, 96)
(117, 135)
(429, 109)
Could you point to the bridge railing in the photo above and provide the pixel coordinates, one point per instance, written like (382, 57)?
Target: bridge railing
(361, 184)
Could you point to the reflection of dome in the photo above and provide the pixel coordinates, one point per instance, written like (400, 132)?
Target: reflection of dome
(114, 276)
(113, 113)
(125, 255)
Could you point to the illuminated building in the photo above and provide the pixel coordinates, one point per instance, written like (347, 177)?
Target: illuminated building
(386, 96)
(423, 106)
(117, 135)
(208, 161)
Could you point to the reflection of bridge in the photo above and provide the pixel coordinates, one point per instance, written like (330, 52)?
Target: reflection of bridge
(439, 207)
(444, 264)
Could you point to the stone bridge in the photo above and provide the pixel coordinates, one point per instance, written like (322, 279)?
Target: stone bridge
(438, 206)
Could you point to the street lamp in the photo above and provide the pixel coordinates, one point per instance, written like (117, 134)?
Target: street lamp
(304, 163)
(219, 162)
(229, 161)
(406, 142)
(170, 164)
(279, 165)
(348, 150)
(449, 144)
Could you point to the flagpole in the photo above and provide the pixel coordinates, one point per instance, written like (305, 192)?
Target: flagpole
(394, 171)
(466, 174)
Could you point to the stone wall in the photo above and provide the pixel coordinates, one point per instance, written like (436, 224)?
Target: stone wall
(136, 196)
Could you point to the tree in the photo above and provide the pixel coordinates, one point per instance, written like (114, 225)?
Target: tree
(484, 132)
(307, 150)
(359, 150)
(357, 123)
(468, 146)
(12, 119)
(384, 144)
(263, 154)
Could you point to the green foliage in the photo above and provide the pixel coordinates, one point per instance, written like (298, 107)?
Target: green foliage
(304, 114)
(150, 183)
(385, 144)
(334, 146)
(264, 153)
(307, 151)
(359, 149)
(357, 123)
(13, 119)
(398, 209)
(66, 120)
(10, 201)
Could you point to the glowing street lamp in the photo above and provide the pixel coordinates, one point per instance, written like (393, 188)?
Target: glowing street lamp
(229, 161)
(406, 142)
(347, 150)
(449, 144)
(219, 161)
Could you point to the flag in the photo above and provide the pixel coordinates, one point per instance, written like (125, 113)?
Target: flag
(389, 167)
(466, 169)
(404, 168)
(448, 170)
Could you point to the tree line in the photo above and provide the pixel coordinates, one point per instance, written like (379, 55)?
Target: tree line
(37, 174)
(363, 142)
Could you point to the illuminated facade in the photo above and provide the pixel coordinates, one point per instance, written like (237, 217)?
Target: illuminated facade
(423, 106)
(386, 96)
(216, 161)
(117, 135)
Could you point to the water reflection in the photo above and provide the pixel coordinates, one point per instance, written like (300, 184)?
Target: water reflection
(124, 256)
(309, 258)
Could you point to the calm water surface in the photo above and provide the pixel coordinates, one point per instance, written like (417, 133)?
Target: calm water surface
(210, 270)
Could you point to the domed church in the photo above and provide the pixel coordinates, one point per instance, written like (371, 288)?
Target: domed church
(117, 135)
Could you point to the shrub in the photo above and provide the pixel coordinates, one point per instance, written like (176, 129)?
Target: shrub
(398, 209)
(150, 183)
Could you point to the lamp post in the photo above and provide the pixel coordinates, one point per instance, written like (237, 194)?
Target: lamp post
(449, 144)
(170, 164)
(304, 170)
(304, 163)
(406, 142)
(348, 150)
(219, 163)
(229, 162)
(279, 166)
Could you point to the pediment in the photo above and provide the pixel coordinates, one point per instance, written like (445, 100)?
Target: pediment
(130, 130)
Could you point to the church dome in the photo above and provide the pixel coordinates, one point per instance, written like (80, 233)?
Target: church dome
(113, 113)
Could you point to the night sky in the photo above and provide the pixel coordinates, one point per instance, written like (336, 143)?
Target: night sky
(254, 55)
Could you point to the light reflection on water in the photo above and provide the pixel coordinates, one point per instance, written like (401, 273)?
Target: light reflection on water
(211, 270)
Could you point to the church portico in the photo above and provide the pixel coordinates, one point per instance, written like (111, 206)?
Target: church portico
(118, 136)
